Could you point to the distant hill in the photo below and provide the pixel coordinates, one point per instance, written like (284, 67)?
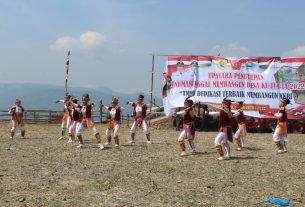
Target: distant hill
(43, 96)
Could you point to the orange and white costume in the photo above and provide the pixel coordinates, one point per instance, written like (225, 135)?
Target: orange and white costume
(225, 132)
(140, 119)
(75, 119)
(280, 133)
(242, 129)
(188, 131)
(17, 113)
(86, 121)
(67, 118)
(114, 120)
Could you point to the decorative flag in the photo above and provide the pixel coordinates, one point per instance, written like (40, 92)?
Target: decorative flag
(67, 71)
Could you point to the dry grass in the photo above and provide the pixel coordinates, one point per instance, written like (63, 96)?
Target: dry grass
(42, 171)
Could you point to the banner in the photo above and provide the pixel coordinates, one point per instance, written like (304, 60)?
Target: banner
(260, 82)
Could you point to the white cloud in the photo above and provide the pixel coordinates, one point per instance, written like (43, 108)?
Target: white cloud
(86, 40)
(231, 49)
(65, 43)
(92, 39)
(296, 52)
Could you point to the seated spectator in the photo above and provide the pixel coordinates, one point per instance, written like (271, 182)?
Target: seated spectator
(251, 125)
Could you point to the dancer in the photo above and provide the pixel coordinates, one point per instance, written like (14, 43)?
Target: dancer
(241, 121)
(188, 127)
(17, 112)
(225, 131)
(86, 122)
(140, 120)
(76, 116)
(280, 133)
(66, 119)
(114, 121)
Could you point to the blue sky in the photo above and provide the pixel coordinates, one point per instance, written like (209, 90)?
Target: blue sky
(110, 40)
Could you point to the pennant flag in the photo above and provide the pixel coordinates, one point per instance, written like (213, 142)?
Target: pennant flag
(66, 86)
(67, 71)
(67, 67)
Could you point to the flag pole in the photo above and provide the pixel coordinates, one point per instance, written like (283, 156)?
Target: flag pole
(151, 87)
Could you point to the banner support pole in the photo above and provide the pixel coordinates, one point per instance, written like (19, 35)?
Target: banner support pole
(151, 86)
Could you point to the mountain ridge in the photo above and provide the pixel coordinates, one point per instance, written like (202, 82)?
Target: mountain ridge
(43, 96)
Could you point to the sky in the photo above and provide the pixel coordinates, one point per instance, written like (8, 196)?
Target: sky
(111, 41)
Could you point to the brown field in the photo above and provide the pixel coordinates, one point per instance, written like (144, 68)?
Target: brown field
(42, 171)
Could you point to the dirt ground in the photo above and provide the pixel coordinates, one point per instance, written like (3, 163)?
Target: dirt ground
(43, 171)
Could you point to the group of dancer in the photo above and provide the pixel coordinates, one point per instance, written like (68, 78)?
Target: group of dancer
(78, 117)
(225, 134)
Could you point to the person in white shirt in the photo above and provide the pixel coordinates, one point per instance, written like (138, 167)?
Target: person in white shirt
(140, 119)
(114, 121)
(86, 122)
(225, 130)
(242, 129)
(66, 119)
(179, 74)
(75, 116)
(17, 112)
(188, 127)
(280, 133)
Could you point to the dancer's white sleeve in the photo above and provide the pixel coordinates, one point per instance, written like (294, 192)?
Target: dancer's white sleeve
(236, 114)
(180, 113)
(214, 113)
(278, 115)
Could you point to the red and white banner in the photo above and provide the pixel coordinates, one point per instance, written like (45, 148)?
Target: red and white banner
(260, 82)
